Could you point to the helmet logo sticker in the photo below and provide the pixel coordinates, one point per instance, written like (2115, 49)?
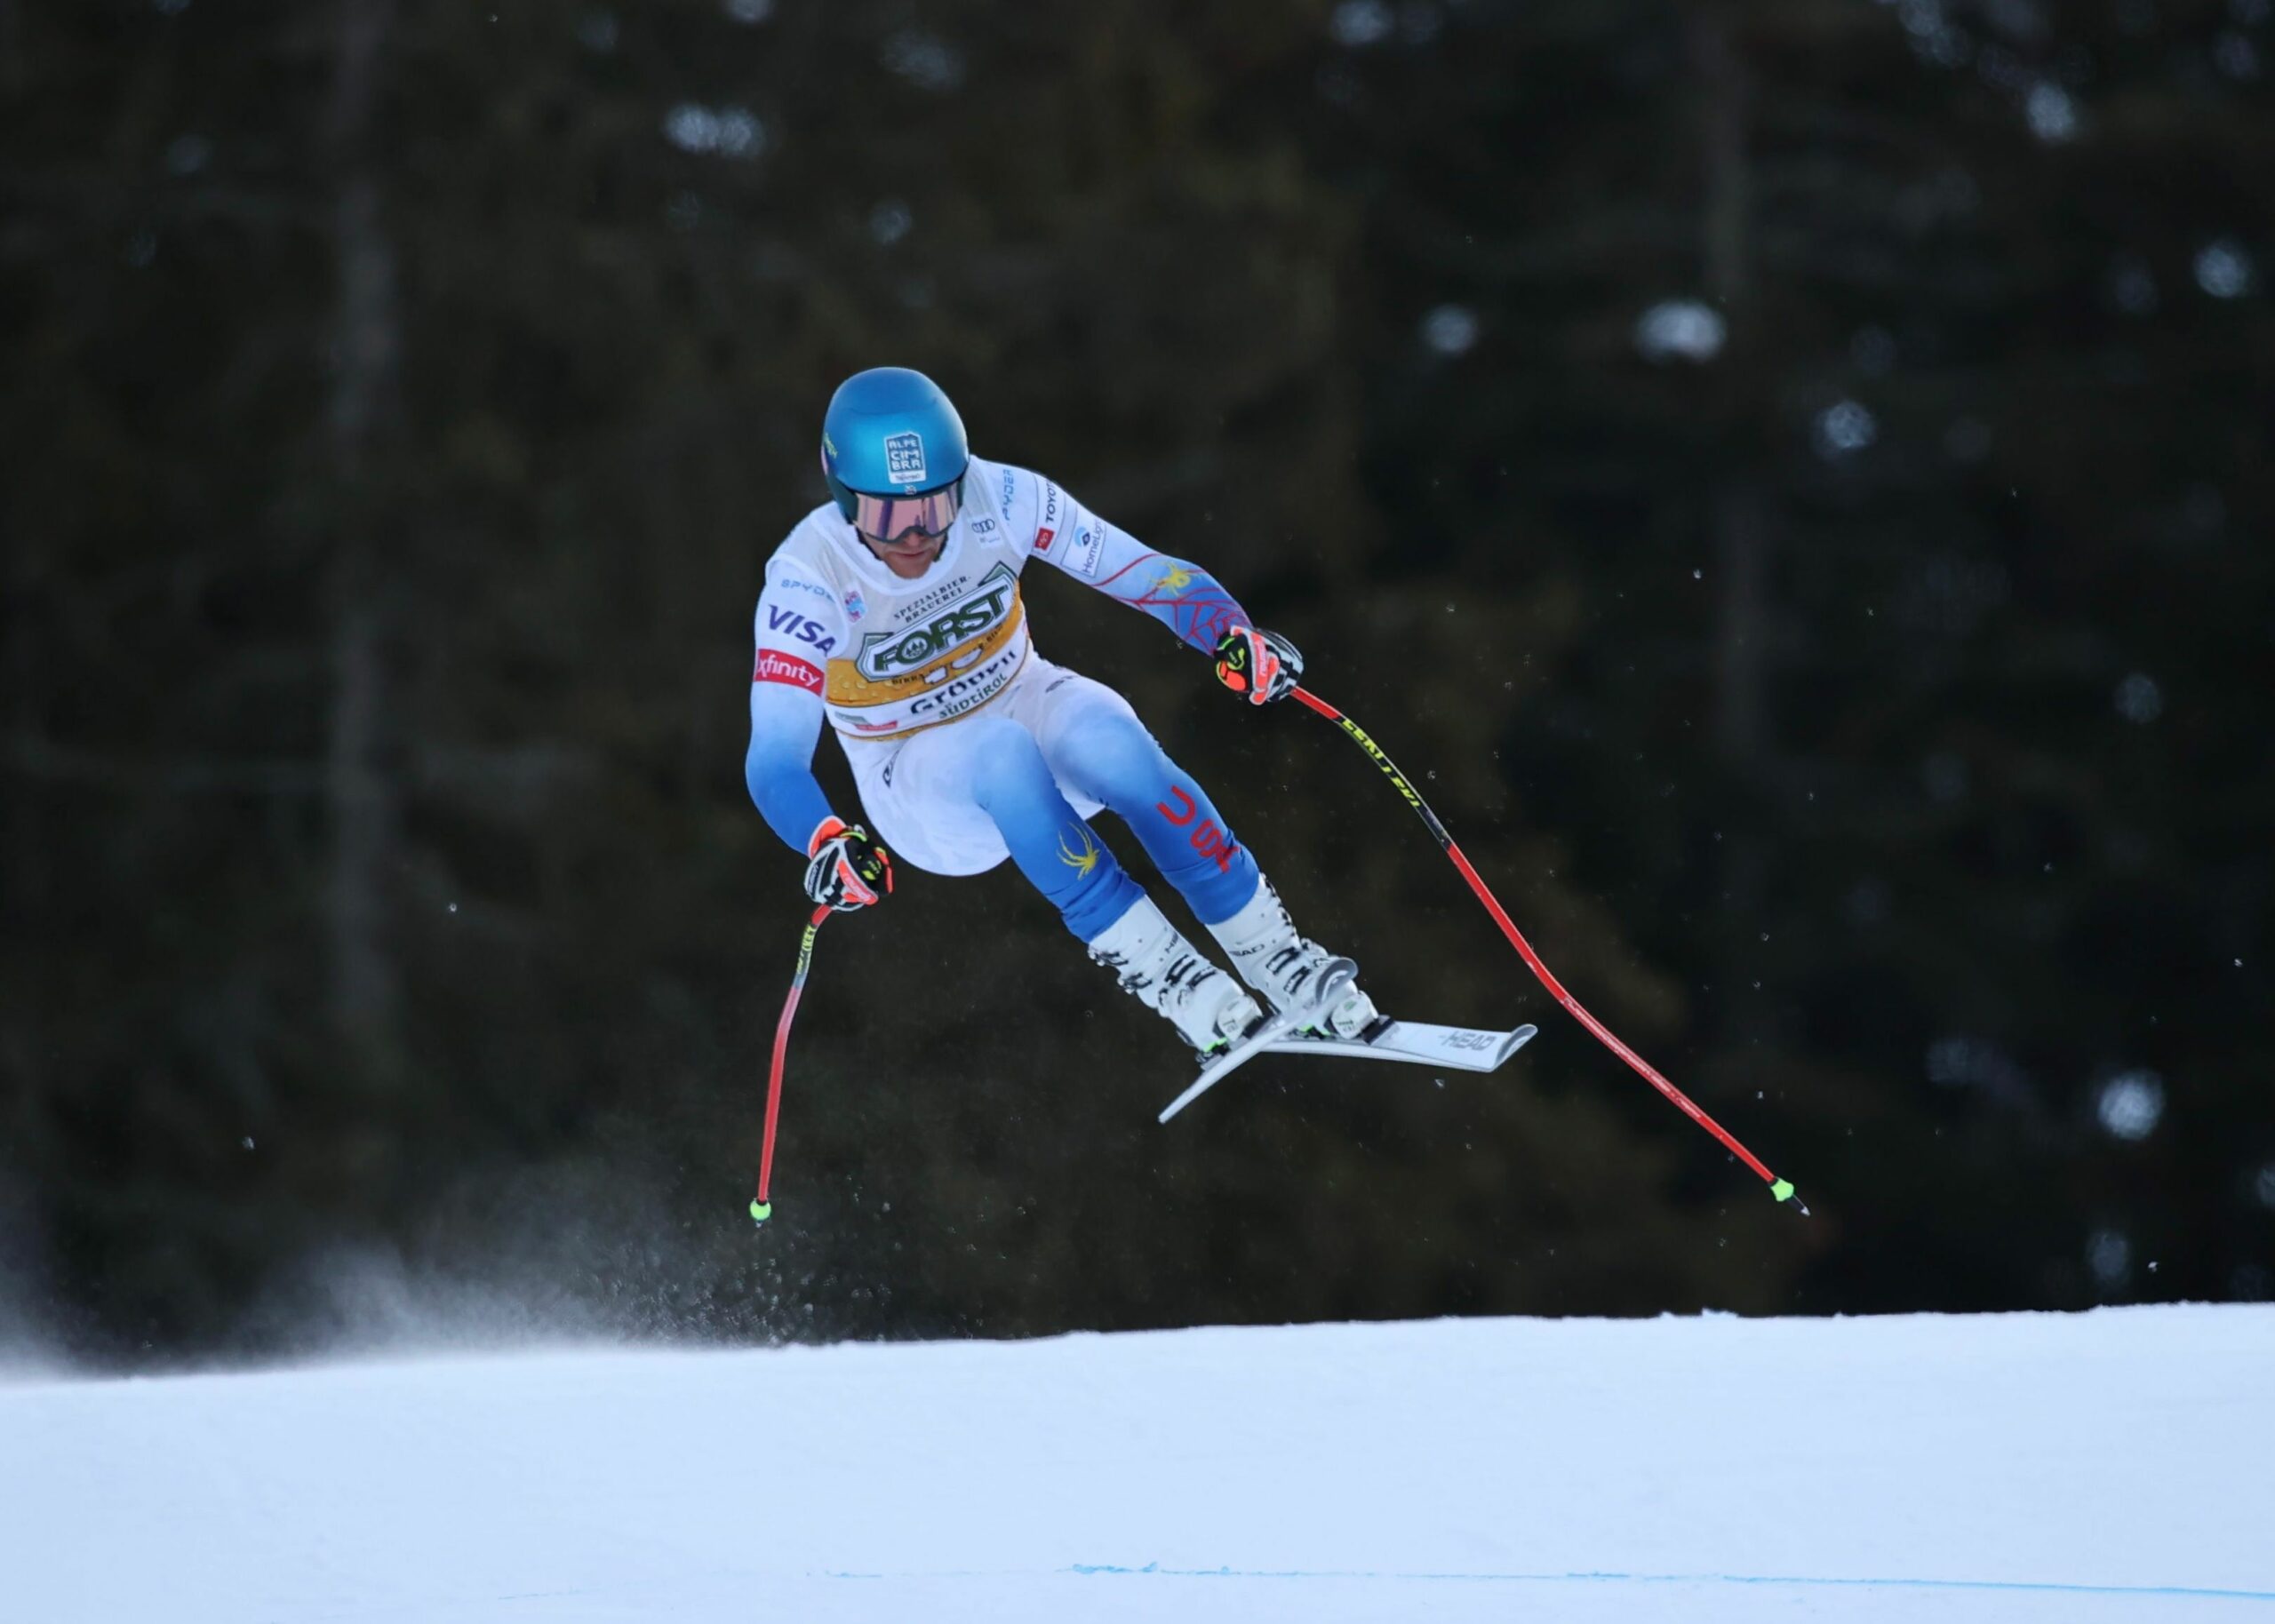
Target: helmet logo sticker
(905, 459)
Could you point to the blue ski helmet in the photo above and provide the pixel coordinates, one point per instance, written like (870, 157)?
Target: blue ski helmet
(891, 432)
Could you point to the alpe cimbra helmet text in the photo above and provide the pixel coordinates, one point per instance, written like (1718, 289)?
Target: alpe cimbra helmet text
(894, 453)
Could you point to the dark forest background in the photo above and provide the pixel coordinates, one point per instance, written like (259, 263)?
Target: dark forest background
(1789, 479)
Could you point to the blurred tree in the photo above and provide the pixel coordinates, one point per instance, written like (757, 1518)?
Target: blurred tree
(1780, 477)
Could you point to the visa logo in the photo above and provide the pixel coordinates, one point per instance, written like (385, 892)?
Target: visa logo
(798, 627)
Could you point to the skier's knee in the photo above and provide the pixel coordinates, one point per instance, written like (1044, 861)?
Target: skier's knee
(1007, 764)
(1112, 758)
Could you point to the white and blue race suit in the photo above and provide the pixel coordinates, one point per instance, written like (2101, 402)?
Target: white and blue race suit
(967, 745)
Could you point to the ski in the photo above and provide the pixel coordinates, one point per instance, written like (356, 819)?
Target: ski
(1456, 1048)
(1334, 979)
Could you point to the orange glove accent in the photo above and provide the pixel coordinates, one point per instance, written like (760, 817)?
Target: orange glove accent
(849, 869)
(1263, 665)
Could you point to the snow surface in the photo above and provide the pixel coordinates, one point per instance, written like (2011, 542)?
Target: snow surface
(2118, 1465)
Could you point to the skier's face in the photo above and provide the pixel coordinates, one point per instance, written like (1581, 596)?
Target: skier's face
(907, 532)
(909, 557)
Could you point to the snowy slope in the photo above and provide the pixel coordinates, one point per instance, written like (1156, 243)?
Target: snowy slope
(2119, 1465)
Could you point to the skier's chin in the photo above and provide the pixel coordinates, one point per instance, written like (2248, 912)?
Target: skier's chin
(907, 566)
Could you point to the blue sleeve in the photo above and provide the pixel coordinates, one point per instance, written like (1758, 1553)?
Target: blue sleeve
(798, 627)
(1182, 596)
(784, 726)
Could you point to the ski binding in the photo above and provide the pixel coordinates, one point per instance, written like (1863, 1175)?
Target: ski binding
(1334, 981)
(1416, 1043)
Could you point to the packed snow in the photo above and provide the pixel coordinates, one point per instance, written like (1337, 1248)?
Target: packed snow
(2116, 1465)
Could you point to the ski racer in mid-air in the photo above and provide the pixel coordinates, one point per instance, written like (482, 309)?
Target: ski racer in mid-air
(893, 611)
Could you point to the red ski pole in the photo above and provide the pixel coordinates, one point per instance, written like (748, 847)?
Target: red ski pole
(1778, 1186)
(761, 1208)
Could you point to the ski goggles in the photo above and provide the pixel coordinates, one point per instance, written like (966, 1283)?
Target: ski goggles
(891, 518)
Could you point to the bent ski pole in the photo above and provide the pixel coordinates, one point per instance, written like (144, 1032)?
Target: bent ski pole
(1779, 1187)
(761, 1207)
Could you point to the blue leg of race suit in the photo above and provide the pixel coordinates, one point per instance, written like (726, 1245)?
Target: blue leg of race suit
(1053, 848)
(1107, 756)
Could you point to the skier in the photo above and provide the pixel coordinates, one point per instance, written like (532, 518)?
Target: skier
(894, 612)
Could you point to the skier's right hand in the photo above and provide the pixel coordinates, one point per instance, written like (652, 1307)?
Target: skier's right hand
(849, 869)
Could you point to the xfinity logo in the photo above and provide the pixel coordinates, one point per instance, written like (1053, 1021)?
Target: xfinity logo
(890, 654)
(788, 670)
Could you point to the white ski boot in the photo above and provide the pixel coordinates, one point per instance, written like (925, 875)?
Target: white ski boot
(1283, 965)
(1168, 973)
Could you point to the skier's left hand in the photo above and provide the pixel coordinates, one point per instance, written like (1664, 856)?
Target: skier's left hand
(1263, 665)
(849, 869)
